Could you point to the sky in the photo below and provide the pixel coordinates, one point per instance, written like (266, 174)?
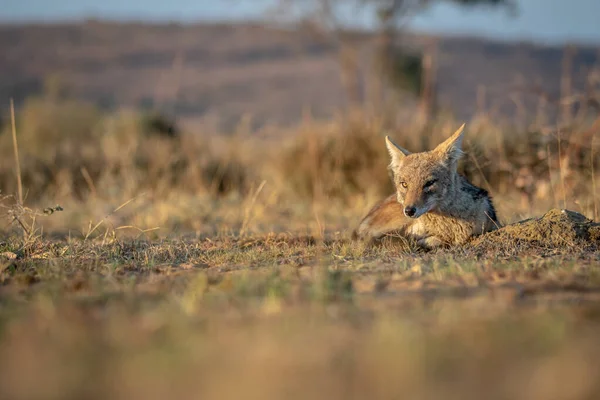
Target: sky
(545, 21)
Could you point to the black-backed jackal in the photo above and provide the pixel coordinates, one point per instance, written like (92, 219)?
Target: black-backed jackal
(433, 203)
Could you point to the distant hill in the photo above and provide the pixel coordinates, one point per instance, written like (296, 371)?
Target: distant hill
(229, 70)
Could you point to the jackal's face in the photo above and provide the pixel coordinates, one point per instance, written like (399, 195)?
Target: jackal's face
(424, 180)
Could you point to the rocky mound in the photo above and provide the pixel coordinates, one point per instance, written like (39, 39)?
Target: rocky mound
(556, 232)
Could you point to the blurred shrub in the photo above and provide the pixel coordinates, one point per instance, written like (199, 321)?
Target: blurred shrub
(404, 70)
(160, 125)
(344, 159)
(70, 148)
(47, 127)
(55, 136)
(73, 149)
(336, 161)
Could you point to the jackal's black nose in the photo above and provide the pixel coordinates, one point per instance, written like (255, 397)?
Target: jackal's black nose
(410, 211)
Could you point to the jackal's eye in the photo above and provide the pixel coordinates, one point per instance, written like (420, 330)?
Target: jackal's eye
(429, 183)
(404, 184)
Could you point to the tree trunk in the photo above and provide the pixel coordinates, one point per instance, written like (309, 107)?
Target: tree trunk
(350, 73)
(428, 95)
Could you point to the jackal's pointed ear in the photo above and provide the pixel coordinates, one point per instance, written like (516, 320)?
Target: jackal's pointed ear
(451, 149)
(397, 153)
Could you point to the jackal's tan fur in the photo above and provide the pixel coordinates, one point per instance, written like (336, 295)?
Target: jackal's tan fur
(433, 203)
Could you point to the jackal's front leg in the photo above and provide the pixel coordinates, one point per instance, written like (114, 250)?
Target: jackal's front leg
(384, 217)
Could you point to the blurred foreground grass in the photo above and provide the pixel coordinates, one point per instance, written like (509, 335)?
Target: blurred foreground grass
(285, 316)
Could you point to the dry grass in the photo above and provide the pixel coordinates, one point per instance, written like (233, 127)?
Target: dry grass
(159, 262)
(290, 316)
(260, 285)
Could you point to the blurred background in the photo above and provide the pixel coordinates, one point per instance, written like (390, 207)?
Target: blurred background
(212, 98)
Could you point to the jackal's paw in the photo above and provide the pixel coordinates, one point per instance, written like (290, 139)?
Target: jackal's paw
(430, 242)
